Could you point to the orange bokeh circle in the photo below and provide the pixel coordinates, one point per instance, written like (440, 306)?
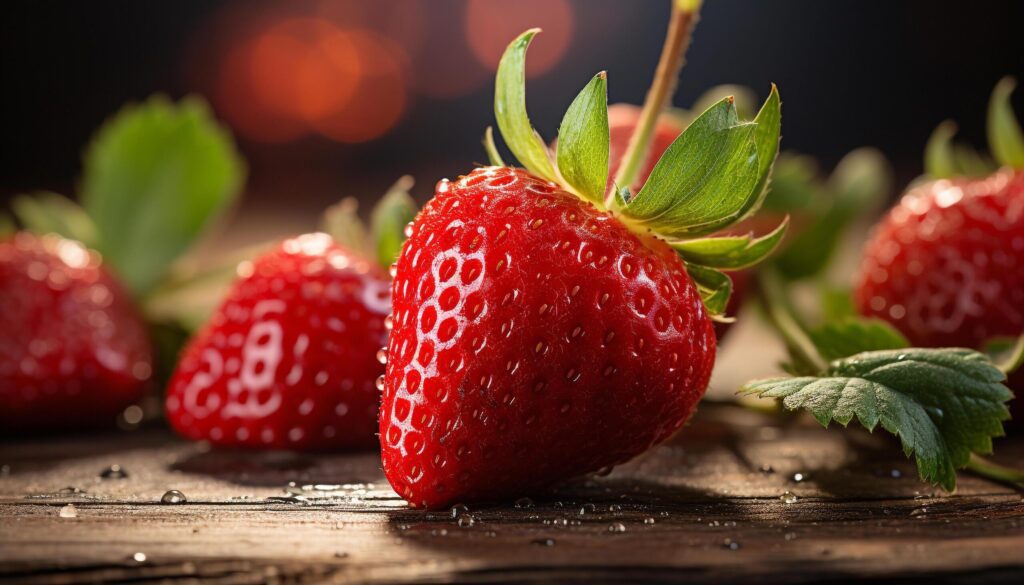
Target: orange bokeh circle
(491, 25)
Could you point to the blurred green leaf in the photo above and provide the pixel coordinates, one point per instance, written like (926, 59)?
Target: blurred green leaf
(837, 303)
(341, 222)
(45, 213)
(939, 157)
(1004, 133)
(7, 226)
(714, 287)
(795, 187)
(156, 176)
(844, 338)
(389, 218)
(860, 183)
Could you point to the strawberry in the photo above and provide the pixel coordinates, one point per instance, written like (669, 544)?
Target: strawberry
(540, 331)
(946, 264)
(73, 349)
(289, 358)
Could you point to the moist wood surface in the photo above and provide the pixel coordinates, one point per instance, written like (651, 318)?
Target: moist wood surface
(710, 506)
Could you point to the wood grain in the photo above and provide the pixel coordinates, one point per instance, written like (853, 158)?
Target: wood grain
(710, 506)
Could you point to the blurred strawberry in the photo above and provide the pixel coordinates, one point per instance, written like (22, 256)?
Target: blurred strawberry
(946, 264)
(289, 360)
(73, 349)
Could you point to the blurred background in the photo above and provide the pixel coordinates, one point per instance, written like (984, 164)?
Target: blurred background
(333, 98)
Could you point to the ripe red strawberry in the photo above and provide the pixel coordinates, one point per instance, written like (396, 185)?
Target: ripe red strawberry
(543, 330)
(73, 350)
(946, 264)
(289, 359)
(523, 320)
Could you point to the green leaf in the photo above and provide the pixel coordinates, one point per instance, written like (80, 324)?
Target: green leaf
(944, 404)
(731, 252)
(156, 176)
(766, 138)
(341, 222)
(1007, 353)
(583, 139)
(840, 339)
(46, 212)
(939, 156)
(795, 186)
(510, 109)
(7, 226)
(389, 218)
(860, 183)
(1004, 133)
(837, 303)
(704, 180)
(714, 287)
(492, 149)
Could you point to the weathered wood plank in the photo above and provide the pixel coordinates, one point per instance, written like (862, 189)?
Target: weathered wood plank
(709, 505)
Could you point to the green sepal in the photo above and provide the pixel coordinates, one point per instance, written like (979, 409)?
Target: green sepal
(939, 156)
(1007, 353)
(944, 159)
(7, 226)
(156, 177)
(944, 404)
(389, 219)
(731, 252)
(583, 141)
(510, 109)
(766, 138)
(714, 287)
(852, 335)
(341, 222)
(704, 180)
(493, 156)
(1004, 133)
(46, 212)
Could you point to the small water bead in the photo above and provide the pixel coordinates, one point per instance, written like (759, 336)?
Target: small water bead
(458, 510)
(173, 497)
(649, 520)
(139, 557)
(69, 511)
(789, 536)
(788, 497)
(523, 503)
(465, 521)
(616, 527)
(587, 509)
(730, 544)
(380, 383)
(799, 477)
(382, 355)
(113, 472)
(614, 508)
(766, 469)
(543, 542)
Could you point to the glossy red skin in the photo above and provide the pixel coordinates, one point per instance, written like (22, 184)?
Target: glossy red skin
(288, 361)
(946, 265)
(73, 351)
(535, 339)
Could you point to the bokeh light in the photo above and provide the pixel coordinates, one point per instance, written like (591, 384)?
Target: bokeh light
(490, 25)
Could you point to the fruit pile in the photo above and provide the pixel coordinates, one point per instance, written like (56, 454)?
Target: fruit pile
(533, 323)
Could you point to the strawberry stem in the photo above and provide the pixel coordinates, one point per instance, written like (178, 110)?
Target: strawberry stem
(993, 471)
(772, 296)
(683, 19)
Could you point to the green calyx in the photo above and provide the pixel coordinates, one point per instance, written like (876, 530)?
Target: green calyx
(943, 158)
(714, 175)
(387, 223)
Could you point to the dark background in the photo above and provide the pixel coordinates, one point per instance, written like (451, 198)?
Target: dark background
(851, 73)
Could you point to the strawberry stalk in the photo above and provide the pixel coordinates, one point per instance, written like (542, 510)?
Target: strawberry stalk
(993, 471)
(684, 17)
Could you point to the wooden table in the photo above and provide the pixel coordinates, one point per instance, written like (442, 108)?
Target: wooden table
(739, 495)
